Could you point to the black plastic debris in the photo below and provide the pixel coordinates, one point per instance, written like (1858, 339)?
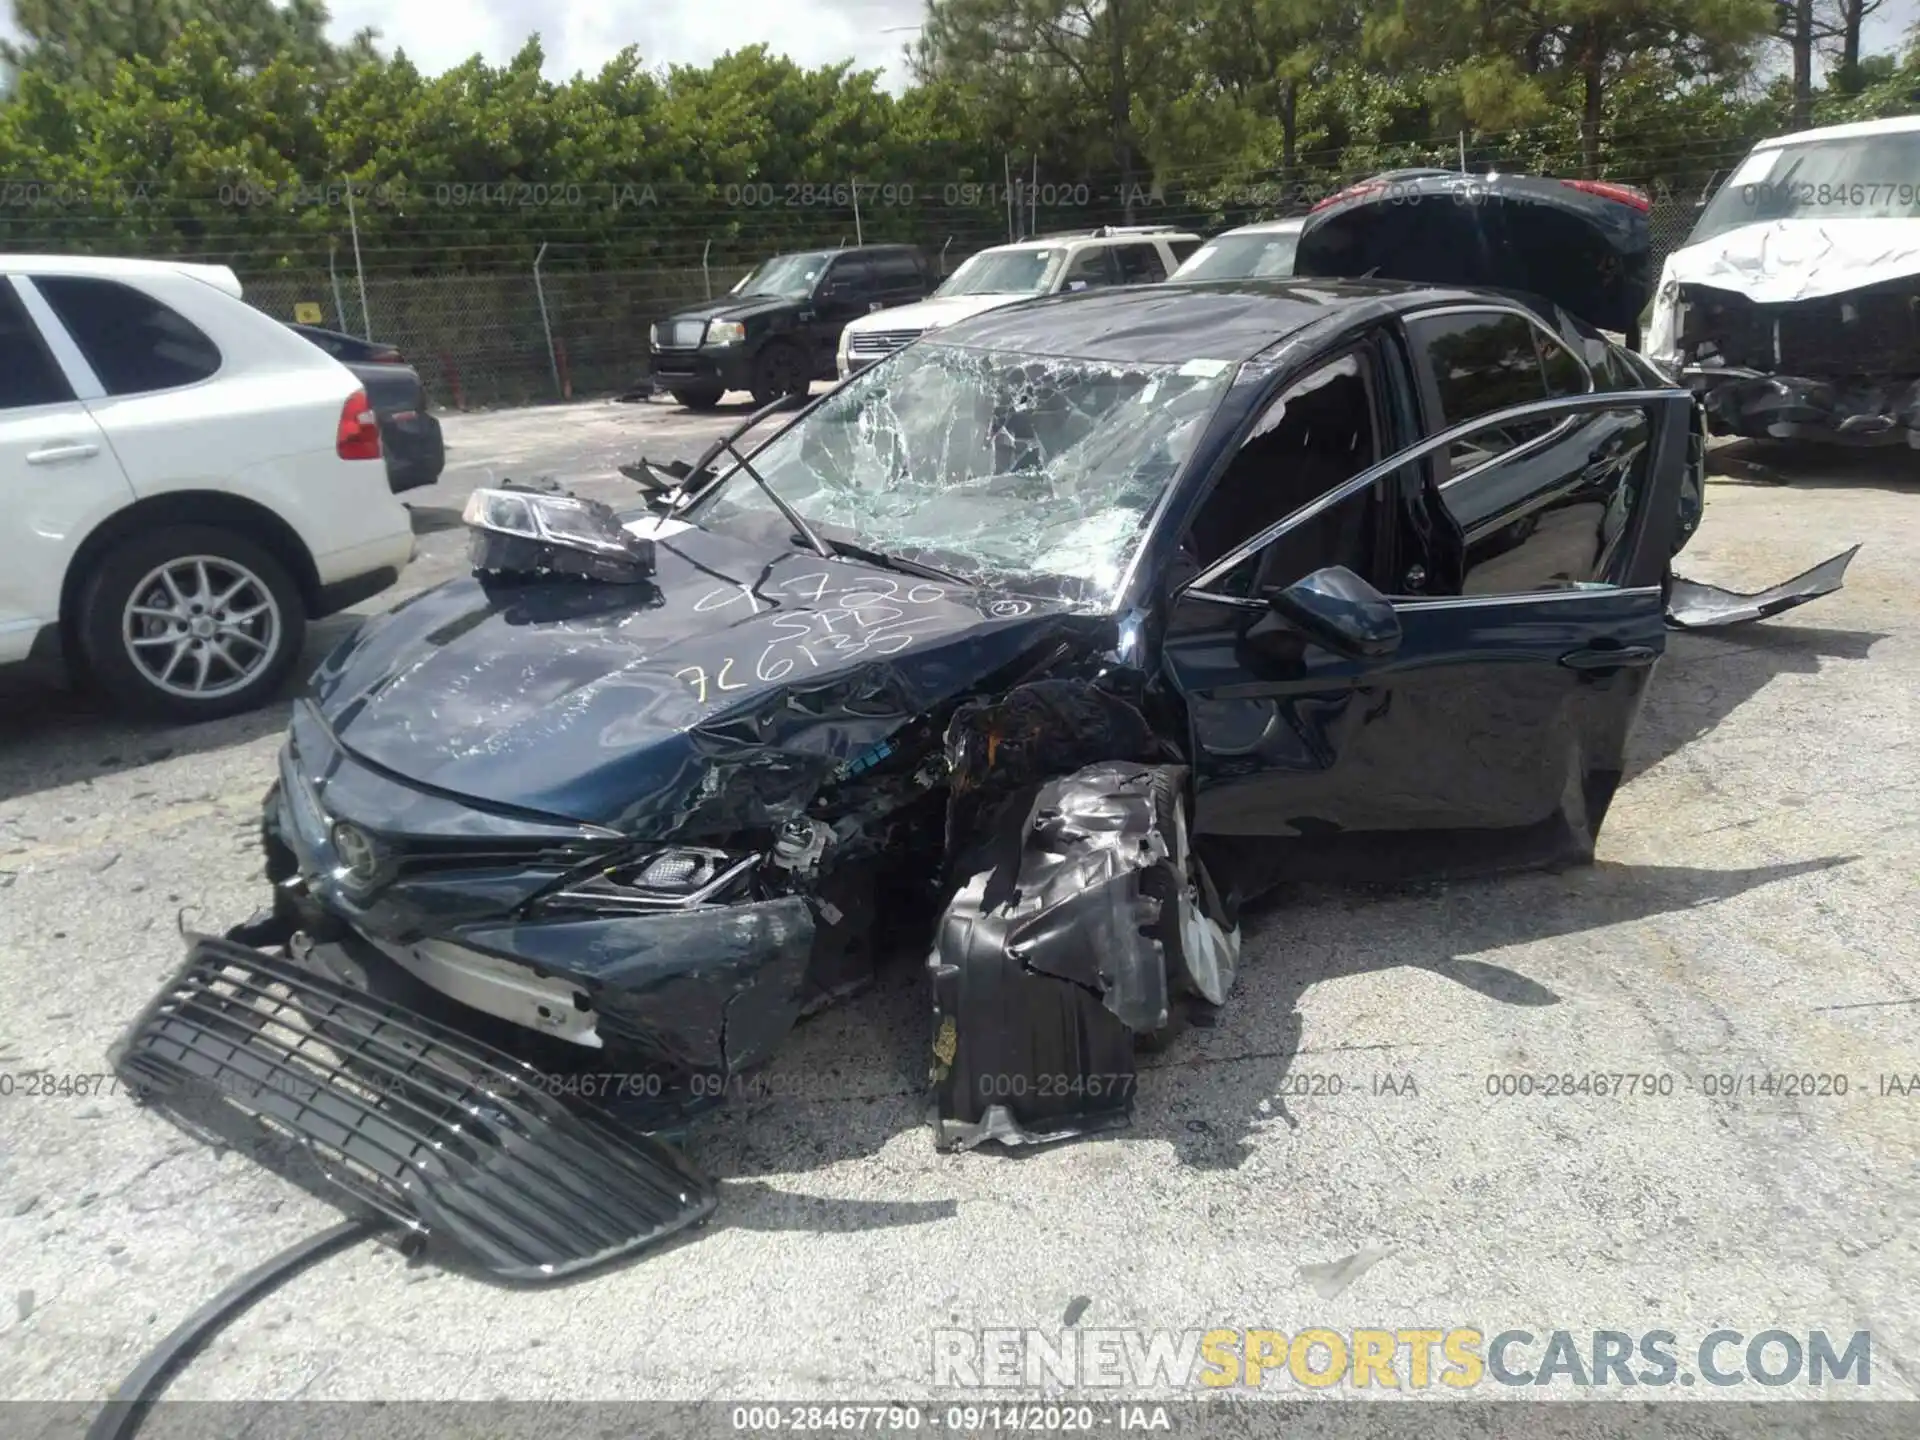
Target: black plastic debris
(393, 1116)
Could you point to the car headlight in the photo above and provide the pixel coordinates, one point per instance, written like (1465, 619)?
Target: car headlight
(671, 878)
(534, 533)
(725, 332)
(653, 337)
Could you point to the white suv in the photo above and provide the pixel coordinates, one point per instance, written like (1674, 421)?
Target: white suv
(1008, 274)
(184, 482)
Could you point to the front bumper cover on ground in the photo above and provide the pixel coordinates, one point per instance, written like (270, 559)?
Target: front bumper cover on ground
(394, 1116)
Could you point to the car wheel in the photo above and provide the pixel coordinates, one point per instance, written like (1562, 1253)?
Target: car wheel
(780, 371)
(702, 397)
(1198, 932)
(189, 623)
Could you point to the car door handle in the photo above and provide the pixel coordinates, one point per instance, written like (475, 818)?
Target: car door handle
(1601, 658)
(55, 453)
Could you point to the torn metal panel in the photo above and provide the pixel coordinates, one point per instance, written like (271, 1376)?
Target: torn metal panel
(388, 1113)
(1694, 606)
(713, 989)
(1086, 920)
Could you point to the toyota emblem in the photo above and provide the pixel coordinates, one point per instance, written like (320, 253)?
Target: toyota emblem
(359, 860)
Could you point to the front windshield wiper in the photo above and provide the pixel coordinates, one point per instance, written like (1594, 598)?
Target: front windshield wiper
(925, 571)
(726, 443)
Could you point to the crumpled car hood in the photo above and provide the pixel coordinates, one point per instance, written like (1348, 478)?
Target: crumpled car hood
(719, 698)
(1777, 262)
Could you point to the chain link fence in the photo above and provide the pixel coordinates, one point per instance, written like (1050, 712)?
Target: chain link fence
(482, 340)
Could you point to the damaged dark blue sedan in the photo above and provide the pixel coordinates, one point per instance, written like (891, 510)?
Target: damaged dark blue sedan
(1038, 648)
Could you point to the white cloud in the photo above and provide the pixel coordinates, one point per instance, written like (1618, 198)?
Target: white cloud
(437, 34)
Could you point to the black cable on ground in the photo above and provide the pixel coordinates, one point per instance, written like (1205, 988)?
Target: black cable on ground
(127, 1409)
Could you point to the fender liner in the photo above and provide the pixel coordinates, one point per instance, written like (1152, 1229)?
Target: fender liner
(1066, 939)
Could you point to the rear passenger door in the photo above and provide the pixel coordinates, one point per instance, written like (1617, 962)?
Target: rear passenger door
(157, 405)
(58, 476)
(1554, 516)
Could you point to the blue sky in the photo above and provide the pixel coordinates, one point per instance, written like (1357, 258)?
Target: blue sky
(441, 33)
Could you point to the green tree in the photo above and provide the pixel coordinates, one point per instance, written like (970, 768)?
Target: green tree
(1073, 74)
(88, 40)
(1520, 62)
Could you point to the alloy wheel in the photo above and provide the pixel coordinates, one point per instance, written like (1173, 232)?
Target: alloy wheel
(201, 626)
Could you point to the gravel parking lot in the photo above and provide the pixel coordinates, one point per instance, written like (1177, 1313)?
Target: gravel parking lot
(1753, 914)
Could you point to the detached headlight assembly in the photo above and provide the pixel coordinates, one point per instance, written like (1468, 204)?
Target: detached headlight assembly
(535, 534)
(675, 878)
(726, 332)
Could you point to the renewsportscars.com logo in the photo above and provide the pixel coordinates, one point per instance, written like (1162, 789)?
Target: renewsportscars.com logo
(1460, 1358)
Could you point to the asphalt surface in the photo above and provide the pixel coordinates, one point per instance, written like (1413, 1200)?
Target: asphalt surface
(1752, 914)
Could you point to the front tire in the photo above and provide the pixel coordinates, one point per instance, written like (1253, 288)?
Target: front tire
(780, 371)
(189, 623)
(697, 397)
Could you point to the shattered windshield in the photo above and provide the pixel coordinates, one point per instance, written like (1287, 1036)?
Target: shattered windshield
(1235, 257)
(1023, 470)
(790, 276)
(1873, 177)
(1002, 272)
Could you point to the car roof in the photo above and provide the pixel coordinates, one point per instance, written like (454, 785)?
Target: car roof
(108, 267)
(1179, 320)
(1858, 129)
(1061, 242)
(1266, 227)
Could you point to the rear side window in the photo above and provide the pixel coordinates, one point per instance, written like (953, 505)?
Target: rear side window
(1182, 249)
(1140, 264)
(134, 343)
(851, 276)
(1564, 373)
(1479, 362)
(28, 375)
(1088, 270)
(896, 269)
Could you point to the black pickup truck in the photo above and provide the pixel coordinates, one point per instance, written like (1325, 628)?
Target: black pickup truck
(779, 329)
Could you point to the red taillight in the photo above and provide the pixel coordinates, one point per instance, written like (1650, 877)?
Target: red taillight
(1607, 190)
(359, 434)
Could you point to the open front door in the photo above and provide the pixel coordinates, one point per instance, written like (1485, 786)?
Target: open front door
(1489, 729)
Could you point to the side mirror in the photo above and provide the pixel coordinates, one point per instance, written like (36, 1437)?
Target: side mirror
(1337, 609)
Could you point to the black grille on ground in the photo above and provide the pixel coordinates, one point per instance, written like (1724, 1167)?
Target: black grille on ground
(388, 1113)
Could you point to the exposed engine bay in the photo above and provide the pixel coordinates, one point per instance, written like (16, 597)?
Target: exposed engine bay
(1842, 368)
